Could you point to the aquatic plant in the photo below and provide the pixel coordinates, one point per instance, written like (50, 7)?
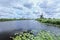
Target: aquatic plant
(42, 35)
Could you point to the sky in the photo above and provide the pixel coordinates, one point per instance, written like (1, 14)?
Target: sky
(29, 8)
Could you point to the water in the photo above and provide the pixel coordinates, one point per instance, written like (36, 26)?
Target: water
(8, 28)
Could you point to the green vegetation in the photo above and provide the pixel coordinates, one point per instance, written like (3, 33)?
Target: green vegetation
(12, 19)
(42, 35)
(49, 20)
(7, 19)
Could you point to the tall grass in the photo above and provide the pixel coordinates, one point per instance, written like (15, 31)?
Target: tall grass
(52, 21)
(42, 35)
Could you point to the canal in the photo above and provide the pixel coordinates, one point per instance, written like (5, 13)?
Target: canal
(8, 28)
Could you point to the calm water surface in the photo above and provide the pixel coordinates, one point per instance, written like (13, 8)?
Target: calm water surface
(8, 28)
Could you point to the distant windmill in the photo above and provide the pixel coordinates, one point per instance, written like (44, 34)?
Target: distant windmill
(41, 16)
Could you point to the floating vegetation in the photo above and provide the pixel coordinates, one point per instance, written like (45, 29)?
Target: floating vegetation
(42, 35)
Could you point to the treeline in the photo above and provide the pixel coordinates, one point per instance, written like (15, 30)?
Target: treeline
(12, 19)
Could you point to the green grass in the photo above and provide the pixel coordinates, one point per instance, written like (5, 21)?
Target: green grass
(42, 35)
(12, 19)
(6, 19)
(51, 21)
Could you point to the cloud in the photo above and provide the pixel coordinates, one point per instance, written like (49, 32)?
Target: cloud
(28, 5)
(51, 7)
(29, 8)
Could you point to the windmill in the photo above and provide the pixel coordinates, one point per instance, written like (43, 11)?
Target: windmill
(41, 16)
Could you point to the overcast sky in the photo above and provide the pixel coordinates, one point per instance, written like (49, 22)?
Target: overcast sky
(29, 8)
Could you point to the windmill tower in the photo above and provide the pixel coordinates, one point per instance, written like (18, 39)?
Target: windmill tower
(41, 16)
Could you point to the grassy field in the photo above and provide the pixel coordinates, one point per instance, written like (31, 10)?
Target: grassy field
(49, 20)
(42, 35)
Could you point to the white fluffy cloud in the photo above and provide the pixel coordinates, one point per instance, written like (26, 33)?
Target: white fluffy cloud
(29, 8)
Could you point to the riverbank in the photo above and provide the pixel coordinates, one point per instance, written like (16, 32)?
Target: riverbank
(42, 35)
(49, 20)
(12, 19)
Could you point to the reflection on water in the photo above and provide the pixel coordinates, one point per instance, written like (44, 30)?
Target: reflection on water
(10, 27)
